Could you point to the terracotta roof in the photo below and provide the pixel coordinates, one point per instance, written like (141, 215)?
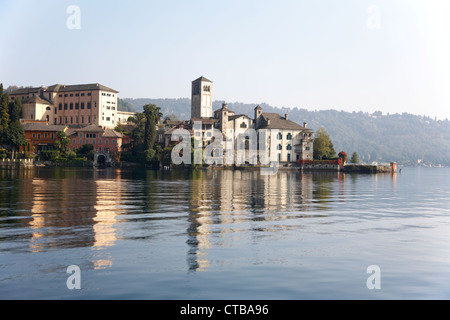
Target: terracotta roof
(110, 133)
(91, 128)
(43, 127)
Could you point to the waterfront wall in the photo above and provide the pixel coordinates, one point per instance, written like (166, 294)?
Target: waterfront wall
(8, 163)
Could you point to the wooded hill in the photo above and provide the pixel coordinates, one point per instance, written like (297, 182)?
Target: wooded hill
(405, 138)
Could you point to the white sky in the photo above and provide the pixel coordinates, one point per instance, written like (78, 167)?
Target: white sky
(321, 54)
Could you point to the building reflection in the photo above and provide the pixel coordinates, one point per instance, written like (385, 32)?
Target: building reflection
(74, 209)
(224, 201)
(104, 228)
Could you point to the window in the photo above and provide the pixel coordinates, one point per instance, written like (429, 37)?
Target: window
(77, 95)
(71, 106)
(93, 141)
(34, 135)
(65, 106)
(48, 109)
(280, 147)
(60, 95)
(39, 136)
(82, 94)
(89, 106)
(74, 141)
(243, 125)
(71, 94)
(89, 94)
(87, 141)
(66, 95)
(80, 135)
(77, 106)
(82, 106)
(280, 136)
(52, 135)
(107, 141)
(60, 106)
(82, 119)
(113, 141)
(100, 141)
(66, 120)
(108, 119)
(89, 119)
(289, 147)
(45, 135)
(289, 136)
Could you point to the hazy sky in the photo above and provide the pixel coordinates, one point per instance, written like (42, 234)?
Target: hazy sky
(347, 55)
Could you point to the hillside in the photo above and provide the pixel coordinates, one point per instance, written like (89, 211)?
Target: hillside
(405, 138)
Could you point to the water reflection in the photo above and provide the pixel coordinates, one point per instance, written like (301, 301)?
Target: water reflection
(53, 208)
(241, 201)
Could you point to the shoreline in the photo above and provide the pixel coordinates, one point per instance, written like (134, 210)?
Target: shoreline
(349, 168)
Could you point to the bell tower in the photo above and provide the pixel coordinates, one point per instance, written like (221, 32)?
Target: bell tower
(201, 102)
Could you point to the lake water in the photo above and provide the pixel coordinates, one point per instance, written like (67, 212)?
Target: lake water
(224, 235)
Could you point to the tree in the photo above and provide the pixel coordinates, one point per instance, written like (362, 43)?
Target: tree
(63, 143)
(4, 114)
(15, 137)
(323, 146)
(152, 117)
(354, 158)
(15, 110)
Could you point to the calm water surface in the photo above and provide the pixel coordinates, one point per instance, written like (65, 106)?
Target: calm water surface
(138, 234)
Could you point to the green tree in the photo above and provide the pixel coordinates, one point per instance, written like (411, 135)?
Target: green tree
(152, 117)
(323, 146)
(15, 110)
(354, 158)
(137, 135)
(4, 114)
(63, 143)
(15, 137)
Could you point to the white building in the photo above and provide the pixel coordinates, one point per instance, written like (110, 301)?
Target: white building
(285, 140)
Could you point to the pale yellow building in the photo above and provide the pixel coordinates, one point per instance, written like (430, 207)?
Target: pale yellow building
(84, 104)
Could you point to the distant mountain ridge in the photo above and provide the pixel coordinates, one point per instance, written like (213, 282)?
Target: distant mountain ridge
(405, 138)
